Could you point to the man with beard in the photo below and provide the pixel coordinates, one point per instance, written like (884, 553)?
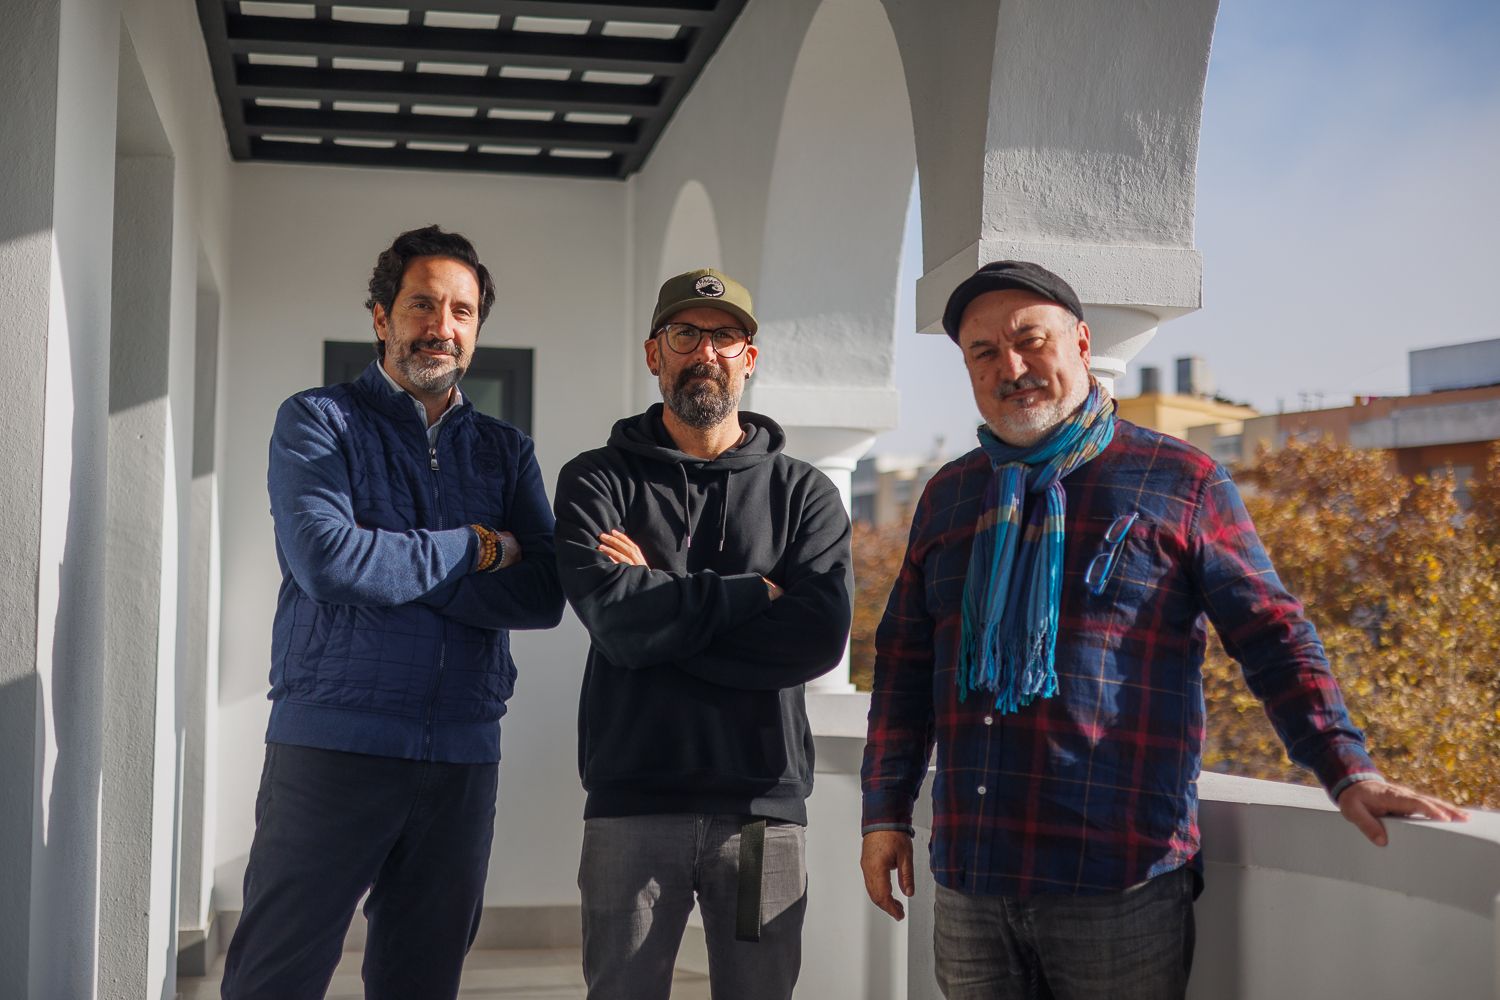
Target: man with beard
(413, 532)
(1046, 632)
(713, 575)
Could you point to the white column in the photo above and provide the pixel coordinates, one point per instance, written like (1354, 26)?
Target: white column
(1065, 133)
(833, 450)
(1116, 335)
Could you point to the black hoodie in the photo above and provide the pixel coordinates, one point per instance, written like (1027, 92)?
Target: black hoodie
(692, 697)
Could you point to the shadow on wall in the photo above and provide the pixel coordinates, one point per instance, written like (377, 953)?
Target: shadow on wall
(72, 819)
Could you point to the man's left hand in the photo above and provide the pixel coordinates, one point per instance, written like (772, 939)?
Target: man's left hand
(1363, 802)
(618, 547)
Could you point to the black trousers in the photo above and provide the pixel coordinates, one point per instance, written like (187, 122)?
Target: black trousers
(330, 825)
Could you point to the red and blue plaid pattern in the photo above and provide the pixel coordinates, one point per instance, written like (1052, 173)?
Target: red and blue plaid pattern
(1095, 789)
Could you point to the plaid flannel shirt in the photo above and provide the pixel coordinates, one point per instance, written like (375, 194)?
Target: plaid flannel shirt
(1094, 789)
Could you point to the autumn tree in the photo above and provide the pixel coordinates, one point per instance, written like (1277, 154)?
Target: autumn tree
(877, 558)
(1403, 588)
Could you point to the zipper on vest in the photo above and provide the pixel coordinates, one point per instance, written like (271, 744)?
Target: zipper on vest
(437, 676)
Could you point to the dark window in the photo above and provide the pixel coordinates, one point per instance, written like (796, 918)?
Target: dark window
(498, 382)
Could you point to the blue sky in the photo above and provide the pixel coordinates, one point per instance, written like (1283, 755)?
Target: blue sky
(1348, 210)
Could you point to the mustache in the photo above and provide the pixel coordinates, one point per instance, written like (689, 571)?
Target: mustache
(1009, 387)
(448, 347)
(702, 369)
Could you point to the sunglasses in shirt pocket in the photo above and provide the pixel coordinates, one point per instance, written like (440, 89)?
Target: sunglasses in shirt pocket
(1122, 560)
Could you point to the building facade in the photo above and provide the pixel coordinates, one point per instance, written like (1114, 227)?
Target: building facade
(1449, 425)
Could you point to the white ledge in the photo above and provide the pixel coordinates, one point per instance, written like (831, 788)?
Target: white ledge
(839, 715)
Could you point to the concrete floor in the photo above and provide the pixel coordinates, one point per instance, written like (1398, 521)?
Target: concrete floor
(543, 974)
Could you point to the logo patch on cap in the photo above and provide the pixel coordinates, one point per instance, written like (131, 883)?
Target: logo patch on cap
(709, 286)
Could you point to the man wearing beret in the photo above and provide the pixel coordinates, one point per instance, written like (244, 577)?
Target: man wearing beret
(1046, 633)
(712, 572)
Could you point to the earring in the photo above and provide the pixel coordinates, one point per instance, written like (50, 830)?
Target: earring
(655, 372)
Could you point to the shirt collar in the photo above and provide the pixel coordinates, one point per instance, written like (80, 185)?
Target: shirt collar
(453, 403)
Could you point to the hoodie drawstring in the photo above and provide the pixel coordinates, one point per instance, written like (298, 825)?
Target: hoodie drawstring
(724, 512)
(687, 507)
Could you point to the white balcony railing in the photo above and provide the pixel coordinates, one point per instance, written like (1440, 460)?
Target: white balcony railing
(1297, 903)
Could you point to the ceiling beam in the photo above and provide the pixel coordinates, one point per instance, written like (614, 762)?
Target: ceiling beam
(438, 128)
(676, 88)
(417, 88)
(412, 159)
(689, 13)
(290, 36)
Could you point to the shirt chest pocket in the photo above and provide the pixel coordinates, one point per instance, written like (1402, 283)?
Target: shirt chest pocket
(1135, 575)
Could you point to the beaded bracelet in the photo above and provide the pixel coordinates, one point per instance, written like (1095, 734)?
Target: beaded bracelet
(488, 544)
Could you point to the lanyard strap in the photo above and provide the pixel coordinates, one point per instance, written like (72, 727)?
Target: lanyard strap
(752, 871)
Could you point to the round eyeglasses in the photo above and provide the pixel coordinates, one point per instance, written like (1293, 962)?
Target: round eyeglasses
(684, 338)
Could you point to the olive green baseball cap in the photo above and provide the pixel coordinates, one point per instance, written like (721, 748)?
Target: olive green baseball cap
(706, 288)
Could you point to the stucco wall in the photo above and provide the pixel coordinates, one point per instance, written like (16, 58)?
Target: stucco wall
(63, 106)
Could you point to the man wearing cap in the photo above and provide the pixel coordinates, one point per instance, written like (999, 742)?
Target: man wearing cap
(1046, 633)
(713, 575)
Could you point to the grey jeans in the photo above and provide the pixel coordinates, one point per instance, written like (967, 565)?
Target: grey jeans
(1131, 945)
(639, 876)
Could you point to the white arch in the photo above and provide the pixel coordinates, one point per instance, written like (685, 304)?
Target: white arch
(692, 239)
(840, 181)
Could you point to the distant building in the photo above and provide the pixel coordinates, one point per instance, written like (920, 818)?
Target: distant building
(1192, 405)
(885, 488)
(1450, 424)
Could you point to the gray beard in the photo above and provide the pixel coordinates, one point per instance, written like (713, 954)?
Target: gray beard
(703, 403)
(430, 375)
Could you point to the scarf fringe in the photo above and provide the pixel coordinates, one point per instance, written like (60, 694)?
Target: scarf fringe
(1015, 669)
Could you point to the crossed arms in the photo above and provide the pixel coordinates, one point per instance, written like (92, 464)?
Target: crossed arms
(739, 630)
(336, 560)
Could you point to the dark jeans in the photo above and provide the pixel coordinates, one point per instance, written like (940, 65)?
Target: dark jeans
(330, 825)
(1131, 945)
(639, 876)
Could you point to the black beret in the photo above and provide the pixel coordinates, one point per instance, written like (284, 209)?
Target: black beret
(1003, 274)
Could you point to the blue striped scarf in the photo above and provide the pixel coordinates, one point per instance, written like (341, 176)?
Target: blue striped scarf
(1014, 585)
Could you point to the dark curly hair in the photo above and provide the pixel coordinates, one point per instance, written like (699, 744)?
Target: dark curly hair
(429, 241)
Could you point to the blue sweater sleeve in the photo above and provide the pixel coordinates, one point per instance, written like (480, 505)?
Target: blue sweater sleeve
(330, 557)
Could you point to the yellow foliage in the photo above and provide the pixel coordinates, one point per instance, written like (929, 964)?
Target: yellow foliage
(1405, 593)
(877, 559)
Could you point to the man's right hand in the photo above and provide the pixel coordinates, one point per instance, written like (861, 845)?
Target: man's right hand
(884, 850)
(512, 550)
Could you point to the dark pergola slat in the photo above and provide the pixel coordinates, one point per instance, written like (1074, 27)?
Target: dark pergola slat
(416, 88)
(438, 128)
(669, 65)
(676, 87)
(413, 159)
(386, 41)
(689, 13)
